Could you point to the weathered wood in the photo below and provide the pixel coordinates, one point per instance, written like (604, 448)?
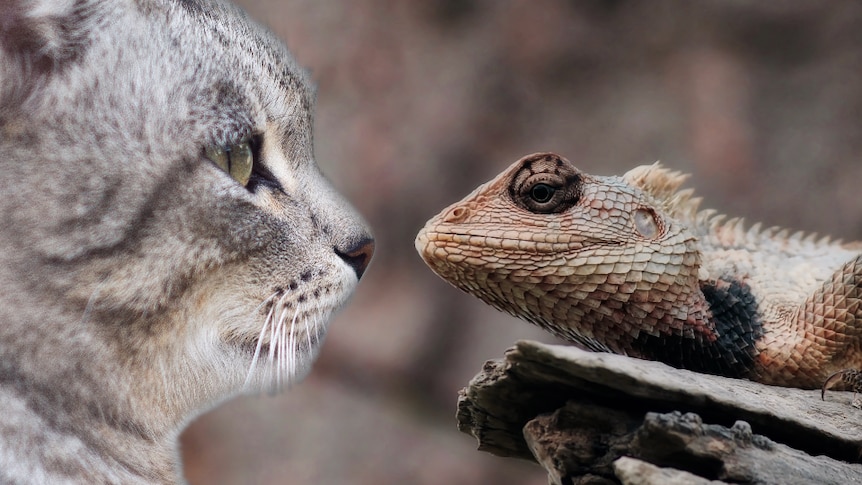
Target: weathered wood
(632, 471)
(578, 412)
(580, 440)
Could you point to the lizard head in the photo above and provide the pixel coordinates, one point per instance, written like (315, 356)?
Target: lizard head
(580, 255)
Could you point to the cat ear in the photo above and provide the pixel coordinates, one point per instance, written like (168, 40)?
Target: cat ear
(38, 37)
(43, 33)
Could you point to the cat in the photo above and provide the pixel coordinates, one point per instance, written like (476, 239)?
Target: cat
(167, 239)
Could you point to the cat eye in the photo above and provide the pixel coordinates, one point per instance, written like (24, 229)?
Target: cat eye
(237, 160)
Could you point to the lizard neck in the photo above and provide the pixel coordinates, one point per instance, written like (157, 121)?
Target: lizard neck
(717, 336)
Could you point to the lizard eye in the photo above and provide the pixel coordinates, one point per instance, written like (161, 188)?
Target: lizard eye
(545, 184)
(547, 194)
(542, 193)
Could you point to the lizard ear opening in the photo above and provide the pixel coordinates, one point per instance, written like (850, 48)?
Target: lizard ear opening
(646, 223)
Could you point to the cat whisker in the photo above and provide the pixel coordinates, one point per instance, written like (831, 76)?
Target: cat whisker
(282, 349)
(315, 323)
(291, 352)
(266, 323)
(280, 345)
(276, 332)
(288, 348)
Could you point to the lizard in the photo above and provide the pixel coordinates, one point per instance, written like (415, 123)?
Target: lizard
(632, 265)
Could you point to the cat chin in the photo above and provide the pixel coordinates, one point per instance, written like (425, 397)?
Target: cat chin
(290, 337)
(282, 361)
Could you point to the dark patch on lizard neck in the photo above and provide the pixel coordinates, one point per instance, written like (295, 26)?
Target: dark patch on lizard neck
(730, 350)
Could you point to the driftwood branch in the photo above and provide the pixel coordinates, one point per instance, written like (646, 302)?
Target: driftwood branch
(600, 418)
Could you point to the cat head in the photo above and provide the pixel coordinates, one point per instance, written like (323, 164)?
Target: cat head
(163, 216)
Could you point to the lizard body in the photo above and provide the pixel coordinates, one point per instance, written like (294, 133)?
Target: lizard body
(631, 265)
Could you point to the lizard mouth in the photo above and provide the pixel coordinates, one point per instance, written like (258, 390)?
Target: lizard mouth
(483, 243)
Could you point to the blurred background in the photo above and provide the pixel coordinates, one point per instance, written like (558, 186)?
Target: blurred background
(419, 102)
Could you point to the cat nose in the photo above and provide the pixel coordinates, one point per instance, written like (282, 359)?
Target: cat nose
(358, 255)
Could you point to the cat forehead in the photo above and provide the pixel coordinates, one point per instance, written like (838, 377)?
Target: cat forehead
(245, 47)
(257, 70)
(238, 66)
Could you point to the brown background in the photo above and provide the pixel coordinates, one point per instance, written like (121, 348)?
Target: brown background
(419, 102)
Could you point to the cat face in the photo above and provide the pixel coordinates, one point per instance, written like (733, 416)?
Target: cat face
(162, 207)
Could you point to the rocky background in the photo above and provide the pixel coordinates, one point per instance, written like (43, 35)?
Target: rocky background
(419, 102)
